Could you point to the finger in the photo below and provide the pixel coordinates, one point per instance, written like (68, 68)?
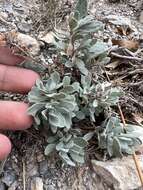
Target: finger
(5, 147)
(8, 58)
(16, 79)
(13, 116)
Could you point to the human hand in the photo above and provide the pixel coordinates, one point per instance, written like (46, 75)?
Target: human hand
(13, 115)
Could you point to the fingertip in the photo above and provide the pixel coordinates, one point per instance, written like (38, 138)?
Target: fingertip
(33, 76)
(5, 146)
(14, 116)
(8, 58)
(15, 79)
(22, 119)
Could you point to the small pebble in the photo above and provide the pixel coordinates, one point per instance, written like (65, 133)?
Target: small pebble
(141, 17)
(43, 167)
(24, 27)
(2, 186)
(4, 15)
(8, 178)
(37, 184)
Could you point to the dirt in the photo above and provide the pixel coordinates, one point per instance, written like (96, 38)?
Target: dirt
(33, 17)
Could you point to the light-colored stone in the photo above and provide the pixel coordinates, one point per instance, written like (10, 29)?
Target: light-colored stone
(28, 42)
(4, 15)
(25, 42)
(141, 17)
(121, 174)
(37, 184)
(48, 38)
(13, 186)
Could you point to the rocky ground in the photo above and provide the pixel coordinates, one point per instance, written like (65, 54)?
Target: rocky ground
(27, 168)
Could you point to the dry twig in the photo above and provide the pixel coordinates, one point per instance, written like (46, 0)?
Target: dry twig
(23, 175)
(126, 57)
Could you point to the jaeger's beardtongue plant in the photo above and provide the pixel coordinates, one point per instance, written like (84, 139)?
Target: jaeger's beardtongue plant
(63, 99)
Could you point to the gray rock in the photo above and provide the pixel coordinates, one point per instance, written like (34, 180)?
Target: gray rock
(13, 186)
(24, 27)
(121, 174)
(49, 187)
(141, 17)
(2, 186)
(9, 178)
(43, 167)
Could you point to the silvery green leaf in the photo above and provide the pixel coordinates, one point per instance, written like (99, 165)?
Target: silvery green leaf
(37, 119)
(76, 86)
(112, 123)
(125, 139)
(68, 138)
(110, 146)
(61, 34)
(70, 144)
(33, 109)
(72, 22)
(55, 77)
(53, 128)
(69, 64)
(88, 25)
(105, 61)
(95, 103)
(98, 110)
(114, 96)
(86, 81)
(88, 136)
(92, 114)
(52, 139)
(80, 115)
(66, 81)
(68, 105)
(63, 110)
(39, 84)
(97, 49)
(81, 8)
(50, 85)
(56, 119)
(77, 157)
(84, 22)
(58, 96)
(117, 129)
(61, 45)
(77, 150)
(85, 44)
(125, 148)
(117, 148)
(61, 147)
(45, 114)
(129, 150)
(82, 68)
(49, 148)
(68, 89)
(102, 140)
(34, 96)
(67, 118)
(66, 158)
(38, 68)
(79, 141)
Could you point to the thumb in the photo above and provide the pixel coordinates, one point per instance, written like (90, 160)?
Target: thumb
(5, 146)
